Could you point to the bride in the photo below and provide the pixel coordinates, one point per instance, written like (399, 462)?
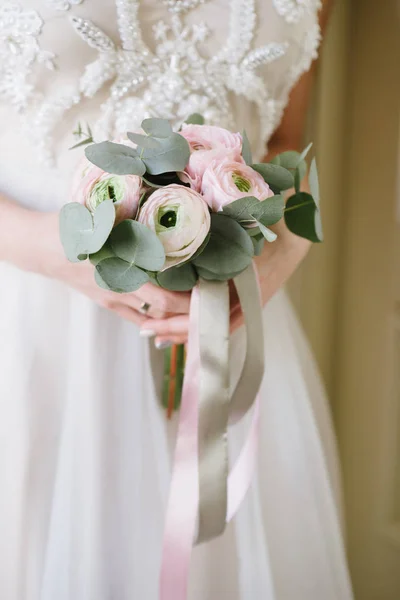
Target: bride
(84, 445)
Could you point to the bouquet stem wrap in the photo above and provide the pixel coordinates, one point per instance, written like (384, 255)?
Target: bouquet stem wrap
(204, 496)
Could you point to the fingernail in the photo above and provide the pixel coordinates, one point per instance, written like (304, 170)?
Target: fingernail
(162, 344)
(147, 333)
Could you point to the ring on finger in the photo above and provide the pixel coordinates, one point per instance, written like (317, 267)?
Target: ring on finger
(144, 308)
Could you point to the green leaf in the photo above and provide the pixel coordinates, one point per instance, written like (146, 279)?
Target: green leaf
(314, 182)
(85, 142)
(269, 211)
(246, 149)
(291, 160)
(81, 232)
(306, 151)
(172, 154)
(144, 141)
(117, 159)
(135, 243)
(301, 216)
(240, 209)
(105, 252)
(277, 176)
(121, 276)
(210, 276)
(229, 250)
(100, 282)
(269, 235)
(159, 128)
(195, 119)
(178, 279)
(314, 189)
(253, 231)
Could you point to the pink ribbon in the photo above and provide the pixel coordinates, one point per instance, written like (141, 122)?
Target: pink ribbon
(183, 504)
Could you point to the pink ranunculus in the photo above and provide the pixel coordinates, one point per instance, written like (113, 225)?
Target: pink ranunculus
(92, 185)
(181, 219)
(207, 143)
(227, 180)
(193, 181)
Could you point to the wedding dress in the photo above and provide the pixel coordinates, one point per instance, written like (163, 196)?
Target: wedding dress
(85, 448)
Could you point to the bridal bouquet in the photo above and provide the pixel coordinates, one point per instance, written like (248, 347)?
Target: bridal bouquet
(189, 210)
(172, 207)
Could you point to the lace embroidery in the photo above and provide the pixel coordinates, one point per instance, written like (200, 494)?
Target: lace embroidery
(176, 79)
(19, 50)
(181, 5)
(293, 10)
(63, 4)
(171, 81)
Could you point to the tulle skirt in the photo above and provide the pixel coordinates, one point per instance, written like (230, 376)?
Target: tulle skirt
(85, 455)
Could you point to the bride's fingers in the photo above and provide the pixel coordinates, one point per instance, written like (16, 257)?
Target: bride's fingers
(162, 302)
(128, 313)
(168, 328)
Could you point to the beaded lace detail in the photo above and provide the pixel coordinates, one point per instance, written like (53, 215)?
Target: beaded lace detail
(293, 10)
(176, 79)
(19, 52)
(172, 80)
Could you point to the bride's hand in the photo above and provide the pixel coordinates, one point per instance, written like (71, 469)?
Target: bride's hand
(48, 259)
(275, 265)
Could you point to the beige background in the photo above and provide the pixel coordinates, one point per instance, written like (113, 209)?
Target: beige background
(348, 290)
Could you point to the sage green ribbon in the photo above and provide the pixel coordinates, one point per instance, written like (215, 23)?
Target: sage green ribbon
(213, 408)
(216, 407)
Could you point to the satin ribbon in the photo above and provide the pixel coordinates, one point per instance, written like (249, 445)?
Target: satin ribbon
(201, 486)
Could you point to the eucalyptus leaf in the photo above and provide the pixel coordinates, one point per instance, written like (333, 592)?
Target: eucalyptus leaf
(81, 232)
(314, 189)
(229, 250)
(291, 160)
(117, 159)
(269, 211)
(105, 252)
(277, 176)
(100, 282)
(246, 149)
(302, 216)
(195, 119)
(144, 141)
(306, 151)
(240, 209)
(172, 154)
(159, 128)
(253, 231)
(210, 276)
(121, 276)
(178, 279)
(137, 244)
(314, 182)
(269, 235)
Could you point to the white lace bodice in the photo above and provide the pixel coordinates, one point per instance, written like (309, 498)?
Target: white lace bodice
(113, 62)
